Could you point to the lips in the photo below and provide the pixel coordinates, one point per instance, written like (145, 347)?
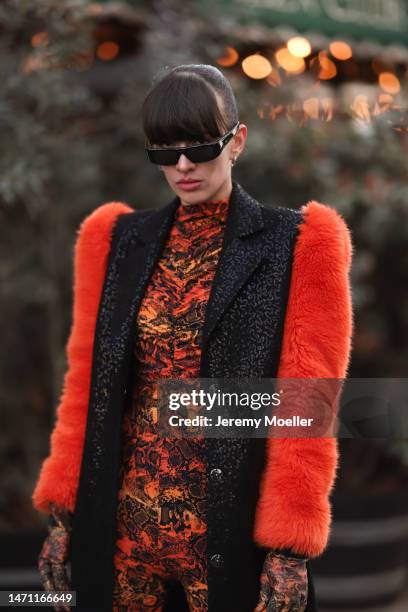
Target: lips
(189, 185)
(187, 182)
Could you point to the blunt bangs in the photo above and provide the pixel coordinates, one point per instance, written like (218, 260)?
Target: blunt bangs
(183, 107)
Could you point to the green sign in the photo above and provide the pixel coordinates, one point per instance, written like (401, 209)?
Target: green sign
(384, 21)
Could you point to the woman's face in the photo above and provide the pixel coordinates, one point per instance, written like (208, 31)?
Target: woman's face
(214, 177)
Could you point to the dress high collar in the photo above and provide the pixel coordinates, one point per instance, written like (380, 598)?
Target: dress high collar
(207, 209)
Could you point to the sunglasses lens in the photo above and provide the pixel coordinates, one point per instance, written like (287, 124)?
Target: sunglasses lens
(204, 153)
(163, 158)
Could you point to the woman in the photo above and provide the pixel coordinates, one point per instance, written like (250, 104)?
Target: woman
(214, 284)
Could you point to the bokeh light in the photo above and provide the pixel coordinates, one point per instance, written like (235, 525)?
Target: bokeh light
(340, 50)
(256, 66)
(289, 62)
(299, 46)
(328, 68)
(107, 50)
(39, 39)
(389, 82)
(230, 57)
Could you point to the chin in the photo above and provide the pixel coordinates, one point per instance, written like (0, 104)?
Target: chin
(192, 196)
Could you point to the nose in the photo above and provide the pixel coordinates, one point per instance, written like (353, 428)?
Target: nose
(184, 163)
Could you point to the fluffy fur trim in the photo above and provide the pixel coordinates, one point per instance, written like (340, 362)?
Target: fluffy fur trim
(59, 475)
(293, 511)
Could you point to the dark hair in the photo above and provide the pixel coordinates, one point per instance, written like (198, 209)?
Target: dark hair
(183, 106)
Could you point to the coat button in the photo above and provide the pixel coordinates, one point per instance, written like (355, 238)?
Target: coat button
(217, 560)
(216, 473)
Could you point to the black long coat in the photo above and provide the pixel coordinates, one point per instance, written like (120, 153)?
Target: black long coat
(242, 336)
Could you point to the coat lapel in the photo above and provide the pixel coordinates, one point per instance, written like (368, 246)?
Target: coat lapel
(146, 238)
(239, 257)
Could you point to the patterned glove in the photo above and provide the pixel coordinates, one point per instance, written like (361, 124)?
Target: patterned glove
(55, 552)
(284, 584)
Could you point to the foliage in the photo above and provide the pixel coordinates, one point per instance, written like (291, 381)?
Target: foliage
(49, 176)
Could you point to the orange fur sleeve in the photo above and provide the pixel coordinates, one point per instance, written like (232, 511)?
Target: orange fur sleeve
(59, 475)
(293, 510)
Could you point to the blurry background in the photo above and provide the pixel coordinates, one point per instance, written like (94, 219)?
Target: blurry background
(322, 86)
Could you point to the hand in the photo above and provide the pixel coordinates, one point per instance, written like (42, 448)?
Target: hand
(55, 552)
(284, 584)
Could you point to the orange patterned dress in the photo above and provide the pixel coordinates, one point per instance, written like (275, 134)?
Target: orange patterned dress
(161, 514)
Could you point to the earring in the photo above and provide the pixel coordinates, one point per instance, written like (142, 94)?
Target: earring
(233, 161)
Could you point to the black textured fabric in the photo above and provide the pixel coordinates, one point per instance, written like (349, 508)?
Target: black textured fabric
(242, 337)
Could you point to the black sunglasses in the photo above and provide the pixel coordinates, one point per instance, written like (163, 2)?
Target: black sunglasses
(196, 153)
